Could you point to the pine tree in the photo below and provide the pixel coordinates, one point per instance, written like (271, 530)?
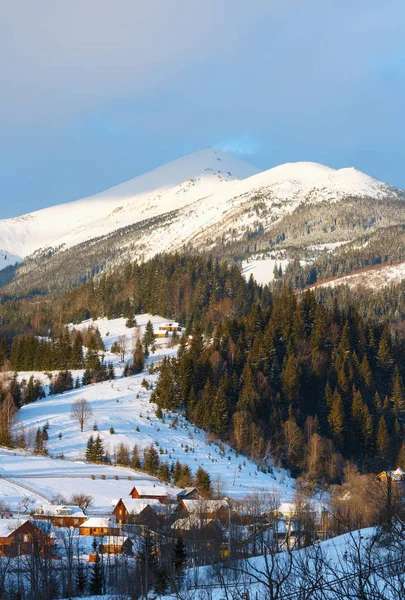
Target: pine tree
(90, 449)
(401, 457)
(151, 460)
(98, 450)
(148, 337)
(96, 578)
(135, 459)
(138, 362)
(383, 442)
(81, 578)
(179, 557)
(397, 395)
(336, 418)
(203, 482)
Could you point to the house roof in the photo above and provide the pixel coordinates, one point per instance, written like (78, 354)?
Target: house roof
(286, 508)
(60, 510)
(150, 489)
(115, 540)
(8, 526)
(190, 522)
(102, 522)
(186, 492)
(200, 506)
(136, 505)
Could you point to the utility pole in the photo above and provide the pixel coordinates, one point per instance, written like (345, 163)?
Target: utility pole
(229, 528)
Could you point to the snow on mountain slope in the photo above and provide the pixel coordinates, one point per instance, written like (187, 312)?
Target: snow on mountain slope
(166, 188)
(124, 404)
(197, 196)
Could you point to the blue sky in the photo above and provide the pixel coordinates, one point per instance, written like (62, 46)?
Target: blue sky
(95, 92)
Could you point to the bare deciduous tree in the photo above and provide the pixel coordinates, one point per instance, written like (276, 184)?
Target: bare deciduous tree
(82, 500)
(122, 343)
(81, 412)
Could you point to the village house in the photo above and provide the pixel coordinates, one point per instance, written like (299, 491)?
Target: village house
(21, 537)
(99, 526)
(116, 544)
(170, 327)
(61, 515)
(398, 476)
(161, 334)
(149, 491)
(208, 509)
(128, 509)
(189, 493)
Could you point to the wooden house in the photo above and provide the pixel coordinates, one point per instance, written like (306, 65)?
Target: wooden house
(22, 537)
(127, 510)
(149, 491)
(161, 334)
(208, 509)
(397, 476)
(170, 327)
(189, 493)
(99, 526)
(116, 544)
(61, 515)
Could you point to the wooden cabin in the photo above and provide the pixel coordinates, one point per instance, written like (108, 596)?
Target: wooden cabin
(61, 515)
(149, 491)
(22, 537)
(208, 509)
(398, 476)
(99, 526)
(189, 493)
(116, 544)
(161, 334)
(170, 327)
(127, 510)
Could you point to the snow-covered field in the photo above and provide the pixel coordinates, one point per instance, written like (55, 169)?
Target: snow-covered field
(262, 269)
(122, 404)
(373, 279)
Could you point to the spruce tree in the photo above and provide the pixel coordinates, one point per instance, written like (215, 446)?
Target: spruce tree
(336, 418)
(383, 442)
(203, 482)
(138, 362)
(96, 578)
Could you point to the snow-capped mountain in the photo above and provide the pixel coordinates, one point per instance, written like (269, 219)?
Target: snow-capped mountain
(206, 200)
(169, 187)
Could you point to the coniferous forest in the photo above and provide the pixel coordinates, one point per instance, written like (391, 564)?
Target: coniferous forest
(302, 379)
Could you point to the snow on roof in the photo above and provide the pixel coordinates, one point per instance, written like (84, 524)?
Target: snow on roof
(136, 505)
(150, 490)
(8, 526)
(286, 508)
(115, 540)
(186, 491)
(190, 522)
(200, 506)
(60, 510)
(102, 522)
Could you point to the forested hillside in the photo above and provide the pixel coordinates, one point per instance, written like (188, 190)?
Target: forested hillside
(295, 381)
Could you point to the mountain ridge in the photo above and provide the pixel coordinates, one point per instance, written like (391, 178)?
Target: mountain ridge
(201, 202)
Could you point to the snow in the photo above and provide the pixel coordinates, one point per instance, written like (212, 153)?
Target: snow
(99, 522)
(7, 526)
(123, 404)
(206, 193)
(150, 490)
(166, 188)
(374, 279)
(136, 505)
(262, 269)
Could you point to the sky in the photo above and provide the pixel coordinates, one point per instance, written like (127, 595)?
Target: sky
(95, 92)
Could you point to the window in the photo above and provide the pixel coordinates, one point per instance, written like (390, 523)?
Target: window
(60, 521)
